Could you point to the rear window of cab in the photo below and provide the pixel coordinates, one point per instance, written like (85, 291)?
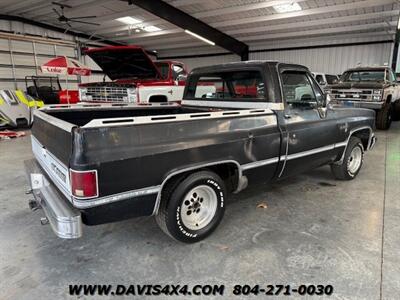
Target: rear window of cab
(227, 86)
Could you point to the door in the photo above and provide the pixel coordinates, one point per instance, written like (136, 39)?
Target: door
(311, 128)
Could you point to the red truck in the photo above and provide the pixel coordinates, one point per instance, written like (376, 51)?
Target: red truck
(135, 77)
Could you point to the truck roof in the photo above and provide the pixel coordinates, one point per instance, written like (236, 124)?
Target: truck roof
(240, 65)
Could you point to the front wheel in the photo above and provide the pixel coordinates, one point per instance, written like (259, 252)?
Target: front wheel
(193, 209)
(352, 161)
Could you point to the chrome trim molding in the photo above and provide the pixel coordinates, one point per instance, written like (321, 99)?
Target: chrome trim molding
(259, 163)
(112, 122)
(116, 197)
(158, 200)
(371, 134)
(40, 113)
(231, 104)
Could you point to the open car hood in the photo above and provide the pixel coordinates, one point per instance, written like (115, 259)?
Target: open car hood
(124, 62)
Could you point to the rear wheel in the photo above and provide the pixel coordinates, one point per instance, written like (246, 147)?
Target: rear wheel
(352, 161)
(396, 111)
(193, 209)
(384, 117)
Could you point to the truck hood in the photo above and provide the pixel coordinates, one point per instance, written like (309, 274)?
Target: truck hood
(124, 62)
(357, 85)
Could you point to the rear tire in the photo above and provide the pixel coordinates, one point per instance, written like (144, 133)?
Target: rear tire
(384, 117)
(193, 208)
(396, 111)
(352, 161)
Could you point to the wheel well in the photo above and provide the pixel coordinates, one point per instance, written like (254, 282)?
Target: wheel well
(158, 99)
(389, 99)
(363, 135)
(229, 173)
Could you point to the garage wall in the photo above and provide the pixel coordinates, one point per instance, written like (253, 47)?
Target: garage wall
(23, 58)
(20, 58)
(332, 60)
(329, 59)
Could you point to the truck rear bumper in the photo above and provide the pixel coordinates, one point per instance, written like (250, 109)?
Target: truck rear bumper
(65, 220)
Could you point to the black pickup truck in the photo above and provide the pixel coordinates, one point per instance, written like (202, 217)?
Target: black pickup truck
(238, 123)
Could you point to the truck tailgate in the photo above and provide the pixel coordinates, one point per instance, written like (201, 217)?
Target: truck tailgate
(52, 147)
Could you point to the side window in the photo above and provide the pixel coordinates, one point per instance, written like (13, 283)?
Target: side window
(392, 78)
(331, 79)
(297, 88)
(320, 79)
(177, 70)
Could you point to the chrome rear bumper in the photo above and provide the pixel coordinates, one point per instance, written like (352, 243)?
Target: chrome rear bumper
(65, 220)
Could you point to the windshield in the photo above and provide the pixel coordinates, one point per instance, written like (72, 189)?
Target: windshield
(378, 75)
(163, 68)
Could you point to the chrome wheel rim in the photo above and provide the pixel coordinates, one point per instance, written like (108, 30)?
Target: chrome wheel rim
(354, 161)
(199, 207)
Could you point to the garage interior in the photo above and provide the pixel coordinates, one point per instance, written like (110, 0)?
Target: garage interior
(307, 229)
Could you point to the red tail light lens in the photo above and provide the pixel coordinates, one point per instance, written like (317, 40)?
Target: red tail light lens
(84, 184)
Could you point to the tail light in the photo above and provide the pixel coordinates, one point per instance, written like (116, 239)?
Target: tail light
(84, 183)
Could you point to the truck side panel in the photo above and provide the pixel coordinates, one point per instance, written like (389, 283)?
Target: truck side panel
(119, 152)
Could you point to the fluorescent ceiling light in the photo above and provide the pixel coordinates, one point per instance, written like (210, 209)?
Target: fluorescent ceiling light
(129, 20)
(151, 28)
(199, 37)
(289, 7)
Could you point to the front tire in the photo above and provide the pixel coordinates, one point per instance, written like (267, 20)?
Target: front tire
(384, 117)
(193, 209)
(352, 161)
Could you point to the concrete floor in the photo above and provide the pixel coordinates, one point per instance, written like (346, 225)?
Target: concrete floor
(315, 230)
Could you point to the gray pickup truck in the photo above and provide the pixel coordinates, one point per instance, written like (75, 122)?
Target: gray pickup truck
(238, 123)
(369, 87)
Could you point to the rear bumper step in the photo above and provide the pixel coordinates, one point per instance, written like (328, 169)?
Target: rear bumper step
(65, 220)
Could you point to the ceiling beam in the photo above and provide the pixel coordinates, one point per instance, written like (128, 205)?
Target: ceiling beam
(183, 20)
(208, 13)
(322, 10)
(275, 36)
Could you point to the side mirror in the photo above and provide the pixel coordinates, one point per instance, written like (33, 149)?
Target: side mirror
(181, 77)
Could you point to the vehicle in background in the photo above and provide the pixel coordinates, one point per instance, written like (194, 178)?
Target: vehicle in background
(238, 123)
(369, 87)
(135, 77)
(48, 89)
(16, 108)
(325, 79)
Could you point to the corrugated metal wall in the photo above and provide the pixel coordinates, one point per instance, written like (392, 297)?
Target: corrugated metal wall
(334, 59)
(328, 60)
(207, 61)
